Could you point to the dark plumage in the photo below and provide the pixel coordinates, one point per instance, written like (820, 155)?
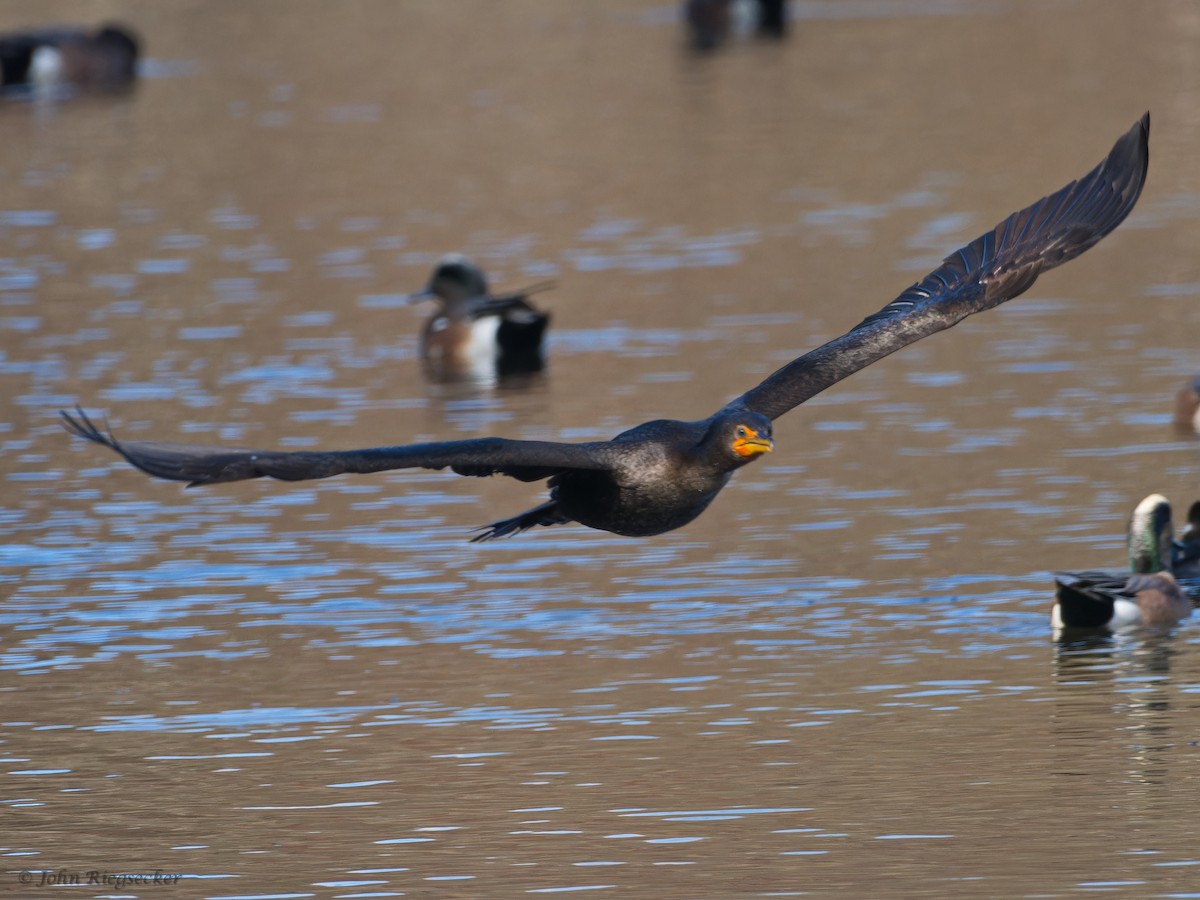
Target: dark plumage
(1147, 594)
(772, 18)
(711, 22)
(1186, 563)
(1090, 600)
(105, 58)
(475, 336)
(660, 475)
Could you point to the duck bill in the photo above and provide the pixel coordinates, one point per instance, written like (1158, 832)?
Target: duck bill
(417, 296)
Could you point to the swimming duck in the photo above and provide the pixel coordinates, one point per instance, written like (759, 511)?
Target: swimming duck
(1148, 596)
(105, 58)
(710, 22)
(662, 474)
(476, 336)
(1187, 548)
(1187, 406)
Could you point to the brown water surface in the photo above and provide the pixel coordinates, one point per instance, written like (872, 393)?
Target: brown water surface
(838, 681)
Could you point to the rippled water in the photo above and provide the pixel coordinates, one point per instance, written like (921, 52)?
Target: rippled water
(838, 681)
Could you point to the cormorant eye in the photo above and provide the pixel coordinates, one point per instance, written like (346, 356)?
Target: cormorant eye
(741, 431)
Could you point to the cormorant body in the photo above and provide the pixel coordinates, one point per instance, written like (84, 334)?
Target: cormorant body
(660, 475)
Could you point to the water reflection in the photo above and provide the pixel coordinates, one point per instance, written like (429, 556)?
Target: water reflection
(1130, 679)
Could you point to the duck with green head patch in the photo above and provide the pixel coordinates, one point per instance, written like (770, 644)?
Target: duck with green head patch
(1148, 596)
(475, 336)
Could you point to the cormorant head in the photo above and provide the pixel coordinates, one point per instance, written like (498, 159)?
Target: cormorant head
(743, 436)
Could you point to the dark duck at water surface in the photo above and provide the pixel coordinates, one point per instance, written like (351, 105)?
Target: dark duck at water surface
(475, 336)
(1146, 595)
(711, 22)
(662, 474)
(1187, 548)
(105, 58)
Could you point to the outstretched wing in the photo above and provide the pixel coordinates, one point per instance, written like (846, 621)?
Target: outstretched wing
(995, 267)
(198, 464)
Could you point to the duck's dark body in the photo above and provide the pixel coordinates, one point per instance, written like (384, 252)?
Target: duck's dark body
(501, 336)
(710, 22)
(1098, 600)
(1186, 558)
(520, 338)
(104, 58)
(661, 475)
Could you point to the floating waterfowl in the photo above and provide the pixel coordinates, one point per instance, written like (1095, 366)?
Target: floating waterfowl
(476, 336)
(1187, 549)
(662, 474)
(105, 58)
(710, 22)
(1187, 406)
(1148, 595)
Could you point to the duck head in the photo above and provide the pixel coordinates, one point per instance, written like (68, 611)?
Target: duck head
(1151, 540)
